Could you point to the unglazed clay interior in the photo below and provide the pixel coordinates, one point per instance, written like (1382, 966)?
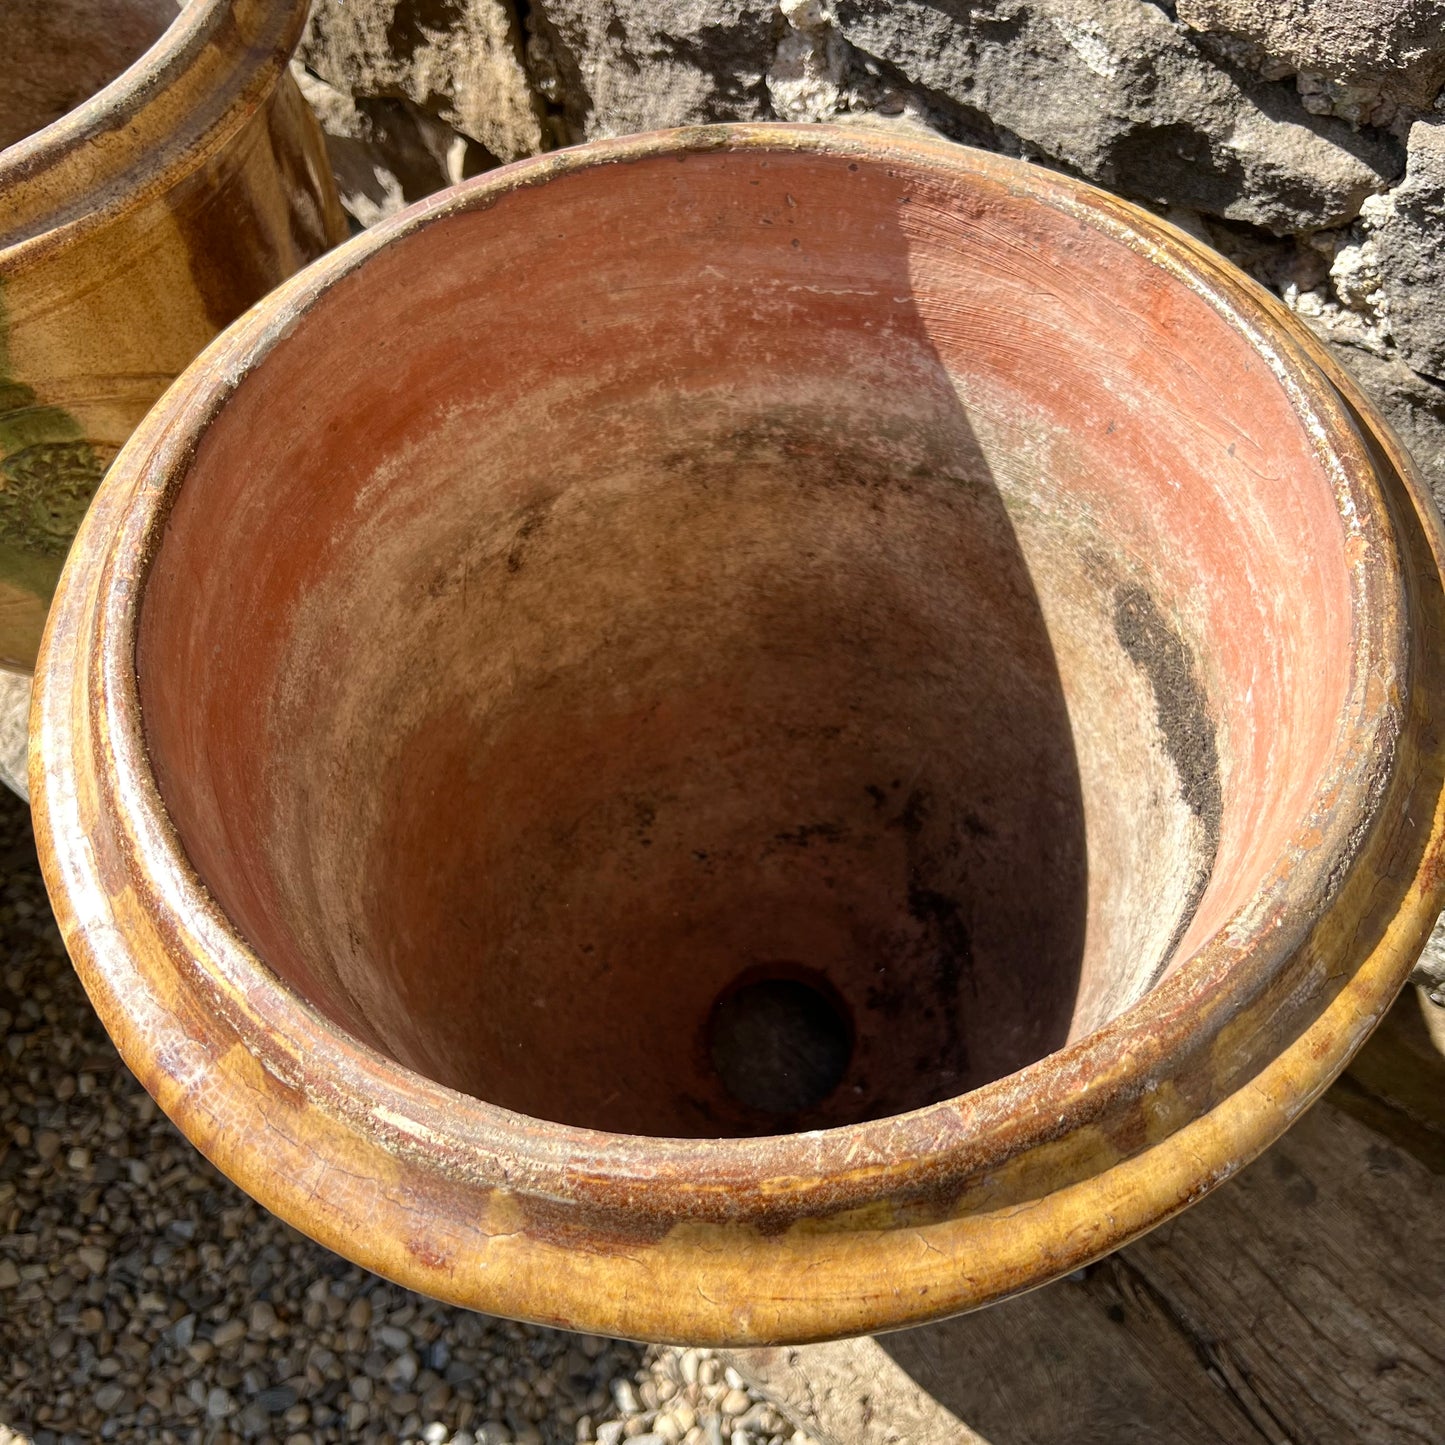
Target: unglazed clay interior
(59, 53)
(744, 641)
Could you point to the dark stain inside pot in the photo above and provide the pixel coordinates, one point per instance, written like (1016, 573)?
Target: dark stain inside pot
(59, 53)
(1185, 725)
(677, 681)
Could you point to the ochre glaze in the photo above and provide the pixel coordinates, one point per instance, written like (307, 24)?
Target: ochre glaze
(133, 227)
(904, 575)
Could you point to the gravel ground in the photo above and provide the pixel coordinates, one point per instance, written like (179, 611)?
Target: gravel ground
(144, 1298)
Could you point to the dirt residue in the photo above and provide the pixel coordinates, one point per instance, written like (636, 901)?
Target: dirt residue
(1181, 708)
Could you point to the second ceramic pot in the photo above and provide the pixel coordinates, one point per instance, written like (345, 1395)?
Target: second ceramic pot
(135, 222)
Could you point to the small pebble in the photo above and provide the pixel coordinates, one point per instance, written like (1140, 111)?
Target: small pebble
(93, 1258)
(277, 1400)
(252, 1420)
(403, 1369)
(735, 1402)
(761, 1419)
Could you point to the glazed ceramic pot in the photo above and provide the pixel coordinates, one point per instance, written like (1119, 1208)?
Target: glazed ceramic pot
(159, 173)
(747, 735)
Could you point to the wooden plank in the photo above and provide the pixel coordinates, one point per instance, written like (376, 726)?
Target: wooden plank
(1302, 1302)
(851, 1393)
(1396, 1083)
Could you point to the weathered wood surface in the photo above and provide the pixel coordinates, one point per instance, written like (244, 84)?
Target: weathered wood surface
(1303, 1302)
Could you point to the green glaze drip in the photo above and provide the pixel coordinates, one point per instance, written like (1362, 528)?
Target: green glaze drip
(49, 471)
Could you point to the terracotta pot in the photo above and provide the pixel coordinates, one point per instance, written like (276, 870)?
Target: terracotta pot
(133, 227)
(748, 734)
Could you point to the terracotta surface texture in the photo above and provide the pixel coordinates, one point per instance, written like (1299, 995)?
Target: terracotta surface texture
(750, 734)
(159, 174)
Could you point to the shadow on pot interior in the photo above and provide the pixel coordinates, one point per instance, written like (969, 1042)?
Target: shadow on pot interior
(707, 679)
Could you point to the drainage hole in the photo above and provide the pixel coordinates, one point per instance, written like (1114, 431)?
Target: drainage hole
(779, 1045)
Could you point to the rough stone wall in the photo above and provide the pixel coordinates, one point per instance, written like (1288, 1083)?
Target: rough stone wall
(1303, 138)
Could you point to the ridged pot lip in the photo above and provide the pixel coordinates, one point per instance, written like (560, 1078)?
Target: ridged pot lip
(160, 118)
(132, 908)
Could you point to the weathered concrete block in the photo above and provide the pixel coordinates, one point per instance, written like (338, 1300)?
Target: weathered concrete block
(1411, 247)
(459, 60)
(385, 152)
(810, 64)
(1115, 90)
(615, 66)
(1395, 45)
(1412, 404)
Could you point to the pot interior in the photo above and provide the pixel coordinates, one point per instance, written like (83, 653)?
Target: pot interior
(743, 641)
(58, 53)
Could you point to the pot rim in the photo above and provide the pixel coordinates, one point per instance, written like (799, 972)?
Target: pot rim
(174, 106)
(152, 946)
